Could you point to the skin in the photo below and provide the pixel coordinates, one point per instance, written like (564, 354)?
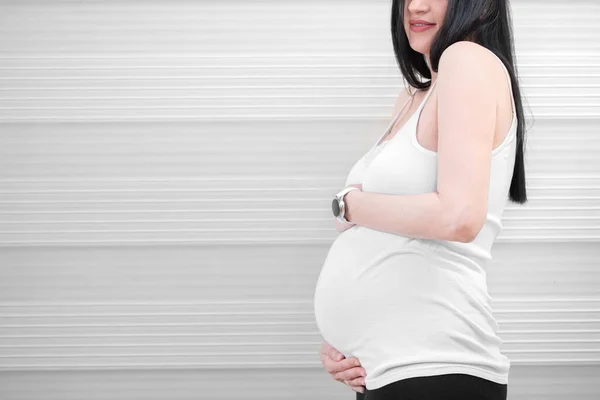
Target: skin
(466, 116)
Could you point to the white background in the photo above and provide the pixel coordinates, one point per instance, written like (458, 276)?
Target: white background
(166, 175)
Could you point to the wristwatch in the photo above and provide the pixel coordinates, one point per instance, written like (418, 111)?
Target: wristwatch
(339, 207)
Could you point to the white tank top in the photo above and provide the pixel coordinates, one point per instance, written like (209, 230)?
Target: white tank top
(408, 307)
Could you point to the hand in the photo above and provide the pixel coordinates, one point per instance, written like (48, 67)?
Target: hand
(342, 226)
(346, 370)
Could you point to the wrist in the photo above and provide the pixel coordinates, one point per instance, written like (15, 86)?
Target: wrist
(339, 204)
(349, 200)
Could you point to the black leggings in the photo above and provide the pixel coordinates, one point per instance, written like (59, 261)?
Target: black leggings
(438, 387)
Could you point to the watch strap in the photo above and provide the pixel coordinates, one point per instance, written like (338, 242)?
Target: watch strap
(340, 198)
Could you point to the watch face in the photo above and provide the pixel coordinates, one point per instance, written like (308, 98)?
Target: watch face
(335, 207)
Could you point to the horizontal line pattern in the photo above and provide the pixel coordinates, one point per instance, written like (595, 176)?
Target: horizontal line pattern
(235, 209)
(111, 308)
(547, 382)
(50, 74)
(127, 125)
(193, 100)
(74, 336)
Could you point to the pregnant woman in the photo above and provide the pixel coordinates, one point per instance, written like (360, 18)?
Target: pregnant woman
(402, 296)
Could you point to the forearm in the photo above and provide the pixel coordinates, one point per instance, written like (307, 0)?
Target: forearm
(420, 216)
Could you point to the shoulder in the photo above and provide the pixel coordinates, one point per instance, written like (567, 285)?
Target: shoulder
(471, 61)
(465, 52)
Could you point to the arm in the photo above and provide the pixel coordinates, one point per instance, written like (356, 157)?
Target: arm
(466, 102)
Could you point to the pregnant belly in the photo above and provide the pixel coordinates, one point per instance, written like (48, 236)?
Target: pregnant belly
(366, 274)
(375, 288)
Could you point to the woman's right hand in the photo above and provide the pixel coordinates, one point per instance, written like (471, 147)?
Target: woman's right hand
(346, 370)
(341, 226)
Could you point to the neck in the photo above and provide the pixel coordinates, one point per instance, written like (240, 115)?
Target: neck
(433, 74)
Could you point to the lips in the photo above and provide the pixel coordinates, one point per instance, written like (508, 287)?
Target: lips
(420, 21)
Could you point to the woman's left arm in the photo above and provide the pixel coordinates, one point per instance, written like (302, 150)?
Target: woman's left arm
(466, 108)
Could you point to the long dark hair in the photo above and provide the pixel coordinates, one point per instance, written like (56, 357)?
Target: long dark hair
(487, 23)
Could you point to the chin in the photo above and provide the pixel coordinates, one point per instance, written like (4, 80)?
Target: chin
(421, 47)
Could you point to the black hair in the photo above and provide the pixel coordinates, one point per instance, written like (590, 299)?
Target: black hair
(485, 22)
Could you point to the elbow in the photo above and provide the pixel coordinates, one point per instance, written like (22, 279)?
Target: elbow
(466, 230)
(462, 223)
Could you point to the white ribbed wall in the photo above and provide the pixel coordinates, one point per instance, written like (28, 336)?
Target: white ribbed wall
(166, 173)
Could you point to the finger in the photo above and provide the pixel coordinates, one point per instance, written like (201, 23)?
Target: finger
(335, 355)
(351, 373)
(360, 381)
(327, 363)
(330, 365)
(330, 357)
(339, 366)
(357, 388)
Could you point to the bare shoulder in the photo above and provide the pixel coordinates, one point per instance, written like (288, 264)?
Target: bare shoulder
(471, 61)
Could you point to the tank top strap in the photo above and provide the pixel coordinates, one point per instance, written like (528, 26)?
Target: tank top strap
(393, 121)
(426, 97)
(512, 97)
